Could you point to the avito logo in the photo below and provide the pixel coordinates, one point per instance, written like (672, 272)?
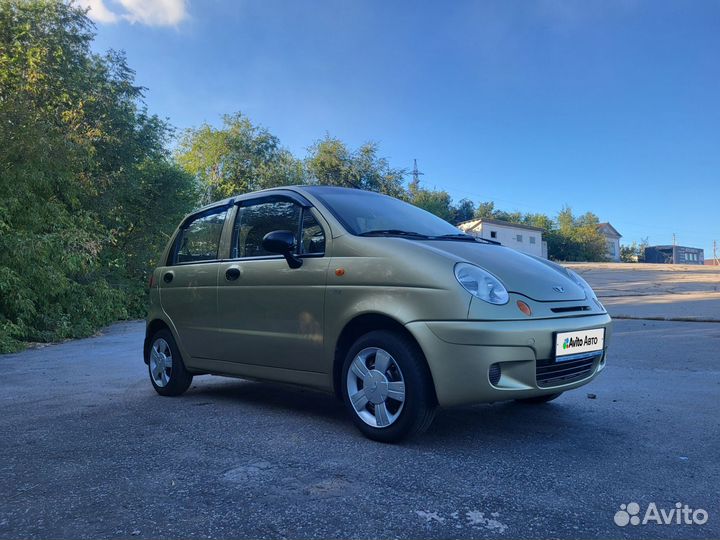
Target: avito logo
(682, 514)
(569, 343)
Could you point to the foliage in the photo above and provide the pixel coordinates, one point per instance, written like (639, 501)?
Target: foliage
(237, 158)
(634, 252)
(83, 179)
(569, 237)
(331, 163)
(463, 211)
(576, 238)
(241, 157)
(436, 202)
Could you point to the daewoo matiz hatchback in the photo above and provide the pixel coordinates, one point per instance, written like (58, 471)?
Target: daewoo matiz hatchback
(387, 305)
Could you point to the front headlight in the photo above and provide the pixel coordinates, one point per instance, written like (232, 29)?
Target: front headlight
(481, 284)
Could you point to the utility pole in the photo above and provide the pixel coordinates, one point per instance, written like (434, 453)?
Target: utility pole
(415, 184)
(416, 173)
(715, 259)
(674, 258)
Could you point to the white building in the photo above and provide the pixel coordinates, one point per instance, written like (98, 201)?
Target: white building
(612, 238)
(521, 237)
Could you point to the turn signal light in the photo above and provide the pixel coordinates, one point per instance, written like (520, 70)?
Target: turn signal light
(339, 272)
(524, 308)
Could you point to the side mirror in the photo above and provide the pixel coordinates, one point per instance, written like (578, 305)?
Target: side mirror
(282, 242)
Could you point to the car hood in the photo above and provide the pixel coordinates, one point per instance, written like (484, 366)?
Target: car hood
(535, 278)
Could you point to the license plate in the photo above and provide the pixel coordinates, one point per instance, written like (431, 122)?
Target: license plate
(580, 341)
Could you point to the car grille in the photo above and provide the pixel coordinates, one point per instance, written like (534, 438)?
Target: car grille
(571, 369)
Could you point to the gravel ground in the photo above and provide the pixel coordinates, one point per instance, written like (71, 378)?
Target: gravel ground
(656, 291)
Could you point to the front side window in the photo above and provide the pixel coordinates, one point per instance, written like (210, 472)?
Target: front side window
(255, 221)
(199, 240)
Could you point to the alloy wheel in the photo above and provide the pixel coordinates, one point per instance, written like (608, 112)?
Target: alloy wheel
(161, 362)
(376, 387)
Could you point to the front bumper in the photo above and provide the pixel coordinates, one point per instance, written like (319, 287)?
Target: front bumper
(460, 355)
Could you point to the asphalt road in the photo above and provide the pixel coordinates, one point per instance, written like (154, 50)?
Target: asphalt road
(88, 450)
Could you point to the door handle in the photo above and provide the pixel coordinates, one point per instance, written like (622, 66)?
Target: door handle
(232, 273)
(168, 277)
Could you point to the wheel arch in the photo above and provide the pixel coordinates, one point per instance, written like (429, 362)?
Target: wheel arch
(150, 330)
(359, 326)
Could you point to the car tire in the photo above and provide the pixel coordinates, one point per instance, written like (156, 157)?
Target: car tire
(540, 399)
(369, 392)
(167, 371)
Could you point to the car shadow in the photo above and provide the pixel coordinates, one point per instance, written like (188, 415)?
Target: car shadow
(503, 422)
(270, 396)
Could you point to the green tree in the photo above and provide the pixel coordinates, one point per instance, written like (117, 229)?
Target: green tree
(434, 201)
(79, 158)
(463, 211)
(485, 210)
(237, 158)
(330, 162)
(576, 238)
(634, 252)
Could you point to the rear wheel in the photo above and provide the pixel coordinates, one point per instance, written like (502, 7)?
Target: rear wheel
(166, 368)
(540, 399)
(387, 387)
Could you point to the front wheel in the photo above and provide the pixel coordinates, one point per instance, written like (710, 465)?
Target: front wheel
(387, 387)
(167, 370)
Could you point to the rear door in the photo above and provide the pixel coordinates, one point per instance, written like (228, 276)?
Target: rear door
(270, 314)
(188, 285)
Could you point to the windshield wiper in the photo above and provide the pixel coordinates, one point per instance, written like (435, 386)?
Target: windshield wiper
(465, 238)
(393, 232)
(457, 236)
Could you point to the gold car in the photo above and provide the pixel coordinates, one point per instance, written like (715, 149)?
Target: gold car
(387, 305)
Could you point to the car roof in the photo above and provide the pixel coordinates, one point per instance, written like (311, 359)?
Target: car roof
(310, 189)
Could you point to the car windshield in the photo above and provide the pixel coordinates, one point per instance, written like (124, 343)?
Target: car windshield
(368, 213)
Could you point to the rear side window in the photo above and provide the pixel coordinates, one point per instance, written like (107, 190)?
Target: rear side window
(200, 239)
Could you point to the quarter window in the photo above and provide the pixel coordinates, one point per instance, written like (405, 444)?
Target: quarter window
(313, 236)
(199, 240)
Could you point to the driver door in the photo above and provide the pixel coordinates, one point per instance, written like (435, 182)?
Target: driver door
(268, 313)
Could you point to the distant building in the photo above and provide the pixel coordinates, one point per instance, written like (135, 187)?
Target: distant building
(612, 239)
(674, 255)
(712, 262)
(521, 237)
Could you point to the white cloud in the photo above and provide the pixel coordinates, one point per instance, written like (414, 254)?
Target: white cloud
(155, 12)
(98, 11)
(149, 12)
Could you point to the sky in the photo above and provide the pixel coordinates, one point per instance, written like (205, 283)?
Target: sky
(603, 105)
